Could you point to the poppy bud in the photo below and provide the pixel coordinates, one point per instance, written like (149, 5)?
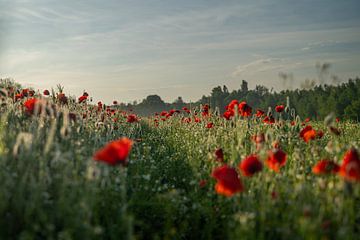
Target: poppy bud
(287, 109)
(269, 113)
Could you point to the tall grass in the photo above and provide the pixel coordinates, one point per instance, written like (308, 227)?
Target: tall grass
(51, 188)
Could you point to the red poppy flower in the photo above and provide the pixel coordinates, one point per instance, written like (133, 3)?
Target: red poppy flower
(46, 92)
(171, 112)
(163, 113)
(186, 109)
(279, 108)
(18, 96)
(205, 110)
(269, 120)
(228, 181)
(325, 167)
(115, 152)
(228, 114)
(62, 98)
(82, 98)
(304, 130)
(186, 120)
(276, 159)
(308, 133)
(209, 125)
(132, 118)
(197, 120)
(219, 154)
(275, 144)
(25, 92)
(319, 134)
(350, 167)
(30, 105)
(244, 109)
(232, 105)
(250, 165)
(307, 120)
(205, 114)
(259, 113)
(202, 183)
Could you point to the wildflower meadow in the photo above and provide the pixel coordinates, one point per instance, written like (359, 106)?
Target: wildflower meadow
(71, 168)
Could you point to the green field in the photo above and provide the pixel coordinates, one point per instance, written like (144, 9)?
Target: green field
(52, 188)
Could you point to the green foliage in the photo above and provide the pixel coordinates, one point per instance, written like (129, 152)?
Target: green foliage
(314, 102)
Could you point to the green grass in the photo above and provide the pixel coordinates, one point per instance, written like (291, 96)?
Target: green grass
(51, 188)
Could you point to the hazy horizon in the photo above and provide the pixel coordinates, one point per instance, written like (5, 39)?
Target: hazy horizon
(126, 50)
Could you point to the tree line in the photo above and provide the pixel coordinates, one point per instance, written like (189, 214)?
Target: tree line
(315, 102)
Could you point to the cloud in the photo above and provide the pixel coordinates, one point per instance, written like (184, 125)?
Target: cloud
(321, 44)
(32, 13)
(261, 65)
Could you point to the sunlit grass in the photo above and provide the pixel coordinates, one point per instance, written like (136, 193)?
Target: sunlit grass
(52, 188)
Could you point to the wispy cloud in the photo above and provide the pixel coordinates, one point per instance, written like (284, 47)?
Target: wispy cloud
(34, 14)
(260, 65)
(320, 44)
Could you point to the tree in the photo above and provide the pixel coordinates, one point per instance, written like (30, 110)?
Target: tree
(178, 103)
(225, 90)
(261, 90)
(154, 100)
(353, 111)
(244, 86)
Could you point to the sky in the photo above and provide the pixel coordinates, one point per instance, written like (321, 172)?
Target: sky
(127, 49)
